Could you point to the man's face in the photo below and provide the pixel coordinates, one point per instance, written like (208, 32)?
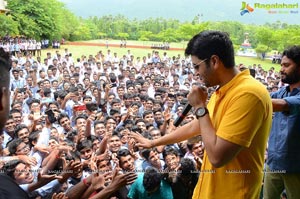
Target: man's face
(154, 158)
(198, 149)
(47, 84)
(16, 75)
(155, 134)
(22, 149)
(29, 81)
(114, 144)
(24, 135)
(65, 123)
(290, 72)
(17, 117)
(149, 118)
(53, 144)
(127, 163)
(23, 174)
(111, 125)
(172, 161)
(10, 126)
(204, 71)
(86, 153)
(142, 126)
(100, 130)
(80, 123)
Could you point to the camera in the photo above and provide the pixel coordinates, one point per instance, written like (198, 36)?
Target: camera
(51, 116)
(22, 90)
(113, 85)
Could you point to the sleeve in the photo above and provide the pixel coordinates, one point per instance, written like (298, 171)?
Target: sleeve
(49, 188)
(133, 191)
(294, 103)
(242, 119)
(44, 137)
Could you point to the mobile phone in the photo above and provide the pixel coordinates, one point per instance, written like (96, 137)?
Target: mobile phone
(51, 116)
(113, 85)
(22, 90)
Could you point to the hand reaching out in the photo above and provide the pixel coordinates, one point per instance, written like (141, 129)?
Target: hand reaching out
(140, 140)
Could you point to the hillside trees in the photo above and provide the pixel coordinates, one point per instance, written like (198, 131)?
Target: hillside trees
(52, 20)
(41, 19)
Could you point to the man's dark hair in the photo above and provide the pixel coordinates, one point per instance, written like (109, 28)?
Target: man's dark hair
(84, 144)
(170, 151)
(187, 166)
(19, 128)
(61, 116)
(146, 152)
(208, 43)
(81, 116)
(12, 146)
(293, 53)
(148, 112)
(91, 106)
(123, 153)
(33, 137)
(10, 167)
(113, 111)
(152, 179)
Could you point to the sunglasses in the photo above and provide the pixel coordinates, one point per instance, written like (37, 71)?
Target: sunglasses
(196, 66)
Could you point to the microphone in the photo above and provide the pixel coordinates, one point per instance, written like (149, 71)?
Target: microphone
(180, 118)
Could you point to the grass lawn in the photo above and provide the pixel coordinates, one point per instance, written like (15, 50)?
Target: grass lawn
(78, 51)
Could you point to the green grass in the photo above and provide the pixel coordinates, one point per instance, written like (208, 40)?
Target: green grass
(78, 51)
(249, 61)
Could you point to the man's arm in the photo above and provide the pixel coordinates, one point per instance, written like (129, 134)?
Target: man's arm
(280, 105)
(187, 131)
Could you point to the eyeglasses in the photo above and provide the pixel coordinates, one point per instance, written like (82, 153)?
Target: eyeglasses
(196, 66)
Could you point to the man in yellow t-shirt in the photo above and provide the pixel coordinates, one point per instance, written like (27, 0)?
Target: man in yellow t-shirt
(234, 126)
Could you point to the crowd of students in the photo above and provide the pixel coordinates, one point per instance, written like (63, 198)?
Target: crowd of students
(70, 119)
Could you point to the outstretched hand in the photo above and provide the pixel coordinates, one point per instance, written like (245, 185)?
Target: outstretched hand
(140, 140)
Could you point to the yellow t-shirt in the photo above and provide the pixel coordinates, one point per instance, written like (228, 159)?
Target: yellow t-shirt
(241, 112)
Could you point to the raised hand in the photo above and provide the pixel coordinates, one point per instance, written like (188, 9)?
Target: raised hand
(140, 140)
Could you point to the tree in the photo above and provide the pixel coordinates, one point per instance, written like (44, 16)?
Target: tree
(39, 18)
(8, 26)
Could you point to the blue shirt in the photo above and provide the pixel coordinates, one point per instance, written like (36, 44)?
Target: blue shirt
(137, 190)
(284, 141)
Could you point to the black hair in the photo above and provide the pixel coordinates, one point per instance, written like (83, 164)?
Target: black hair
(152, 179)
(293, 53)
(170, 151)
(61, 116)
(91, 106)
(10, 167)
(84, 144)
(12, 146)
(33, 137)
(146, 152)
(19, 128)
(123, 153)
(210, 42)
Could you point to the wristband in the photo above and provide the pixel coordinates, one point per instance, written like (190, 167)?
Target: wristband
(85, 182)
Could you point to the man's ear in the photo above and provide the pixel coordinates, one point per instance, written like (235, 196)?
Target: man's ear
(215, 61)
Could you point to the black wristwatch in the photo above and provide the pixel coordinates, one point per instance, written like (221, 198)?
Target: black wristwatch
(200, 112)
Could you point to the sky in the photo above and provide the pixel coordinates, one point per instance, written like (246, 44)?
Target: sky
(186, 10)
